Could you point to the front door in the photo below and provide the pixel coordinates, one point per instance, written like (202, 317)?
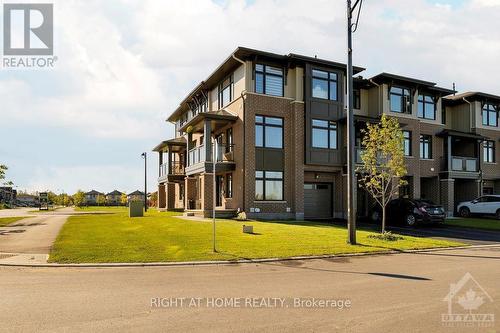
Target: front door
(219, 190)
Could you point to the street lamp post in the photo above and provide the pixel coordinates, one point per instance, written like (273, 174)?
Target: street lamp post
(351, 181)
(144, 156)
(214, 192)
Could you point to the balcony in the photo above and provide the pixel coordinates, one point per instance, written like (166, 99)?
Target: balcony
(198, 161)
(176, 171)
(464, 164)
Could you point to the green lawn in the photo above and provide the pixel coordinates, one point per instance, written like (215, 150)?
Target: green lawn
(478, 223)
(163, 237)
(8, 220)
(101, 208)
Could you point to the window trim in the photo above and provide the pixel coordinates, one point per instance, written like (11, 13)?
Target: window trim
(328, 81)
(486, 108)
(264, 179)
(424, 102)
(221, 88)
(264, 73)
(409, 139)
(402, 95)
(264, 125)
(489, 145)
(423, 141)
(329, 129)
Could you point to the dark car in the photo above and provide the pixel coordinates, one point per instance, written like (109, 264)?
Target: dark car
(409, 212)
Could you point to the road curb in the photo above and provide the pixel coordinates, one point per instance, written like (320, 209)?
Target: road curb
(241, 261)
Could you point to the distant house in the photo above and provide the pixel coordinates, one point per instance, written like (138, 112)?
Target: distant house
(28, 200)
(7, 195)
(135, 196)
(91, 197)
(114, 198)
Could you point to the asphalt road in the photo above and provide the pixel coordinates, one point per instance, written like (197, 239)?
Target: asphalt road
(388, 293)
(459, 234)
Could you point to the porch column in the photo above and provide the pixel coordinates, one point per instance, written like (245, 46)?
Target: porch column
(160, 160)
(161, 196)
(448, 167)
(188, 147)
(169, 162)
(207, 133)
(170, 188)
(448, 196)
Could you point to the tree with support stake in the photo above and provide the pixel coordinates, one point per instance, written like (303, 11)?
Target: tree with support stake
(383, 162)
(351, 180)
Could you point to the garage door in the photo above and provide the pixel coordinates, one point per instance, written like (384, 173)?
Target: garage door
(317, 201)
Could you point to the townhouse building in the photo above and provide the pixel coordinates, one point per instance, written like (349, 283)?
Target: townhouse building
(91, 197)
(276, 127)
(114, 198)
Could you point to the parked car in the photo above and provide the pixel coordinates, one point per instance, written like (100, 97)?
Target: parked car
(409, 212)
(485, 205)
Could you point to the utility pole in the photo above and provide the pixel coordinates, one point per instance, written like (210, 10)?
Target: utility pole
(351, 172)
(144, 155)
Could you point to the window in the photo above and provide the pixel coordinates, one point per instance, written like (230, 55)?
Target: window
(229, 185)
(269, 185)
(489, 151)
(229, 140)
(425, 147)
(400, 100)
(407, 143)
(268, 80)
(200, 105)
(490, 115)
(426, 107)
(356, 99)
(268, 132)
(324, 134)
(324, 85)
(226, 92)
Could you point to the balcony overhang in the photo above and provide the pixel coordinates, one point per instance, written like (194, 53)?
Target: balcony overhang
(173, 145)
(361, 119)
(218, 119)
(446, 133)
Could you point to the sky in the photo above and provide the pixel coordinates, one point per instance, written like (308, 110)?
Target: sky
(124, 66)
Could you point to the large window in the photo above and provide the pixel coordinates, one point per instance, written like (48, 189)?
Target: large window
(356, 98)
(268, 132)
(490, 115)
(324, 85)
(400, 100)
(425, 147)
(324, 134)
(489, 151)
(226, 92)
(407, 143)
(268, 80)
(426, 107)
(269, 185)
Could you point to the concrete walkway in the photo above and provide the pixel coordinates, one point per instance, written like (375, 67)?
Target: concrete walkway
(30, 240)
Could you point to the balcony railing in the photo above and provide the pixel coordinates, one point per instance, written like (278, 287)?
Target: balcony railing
(224, 154)
(177, 168)
(467, 164)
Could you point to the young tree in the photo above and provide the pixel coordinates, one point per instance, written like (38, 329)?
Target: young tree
(101, 200)
(3, 170)
(123, 199)
(153, 199)
(79, 198)
(383, 162)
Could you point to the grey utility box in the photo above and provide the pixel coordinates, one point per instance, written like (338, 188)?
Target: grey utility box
(135, 209)
(248, 229)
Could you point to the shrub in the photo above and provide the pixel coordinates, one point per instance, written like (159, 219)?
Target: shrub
(386, 236)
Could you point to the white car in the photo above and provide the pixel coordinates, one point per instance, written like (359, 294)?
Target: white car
(485, 205)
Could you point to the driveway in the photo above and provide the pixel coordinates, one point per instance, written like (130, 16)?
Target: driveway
(453, 233)
(31, 238)
(388, 293)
